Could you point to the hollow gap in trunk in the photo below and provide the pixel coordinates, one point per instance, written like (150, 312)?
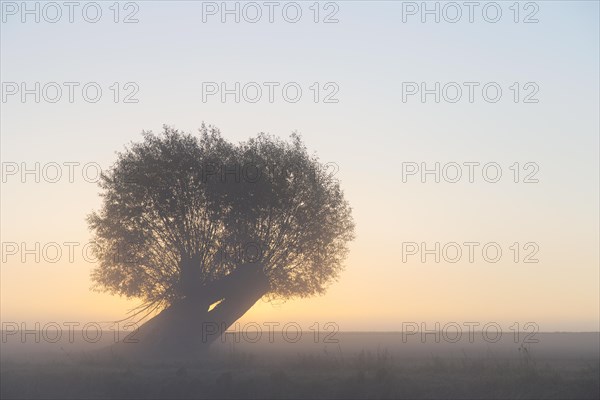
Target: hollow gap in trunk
(215, 304)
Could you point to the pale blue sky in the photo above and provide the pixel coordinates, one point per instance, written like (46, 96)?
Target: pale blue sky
(369, 133)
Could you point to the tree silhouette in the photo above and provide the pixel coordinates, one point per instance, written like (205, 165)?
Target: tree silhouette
(192, 223)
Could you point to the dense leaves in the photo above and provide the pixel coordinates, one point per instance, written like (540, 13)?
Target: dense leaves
(181, 211)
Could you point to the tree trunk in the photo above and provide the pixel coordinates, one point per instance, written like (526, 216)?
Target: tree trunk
(186, 329)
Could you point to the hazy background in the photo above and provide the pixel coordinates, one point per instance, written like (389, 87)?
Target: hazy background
(369, 133)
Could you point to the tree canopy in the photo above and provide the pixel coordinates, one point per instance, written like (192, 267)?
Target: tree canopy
(181, 212)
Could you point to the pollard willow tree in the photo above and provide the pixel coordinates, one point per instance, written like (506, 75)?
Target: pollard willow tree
(200, 229)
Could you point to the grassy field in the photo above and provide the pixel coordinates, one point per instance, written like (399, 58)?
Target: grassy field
(305, 370)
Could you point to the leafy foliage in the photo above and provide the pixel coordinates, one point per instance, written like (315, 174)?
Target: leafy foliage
(182, 211)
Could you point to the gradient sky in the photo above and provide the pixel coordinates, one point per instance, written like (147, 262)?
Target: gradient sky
(369, 133)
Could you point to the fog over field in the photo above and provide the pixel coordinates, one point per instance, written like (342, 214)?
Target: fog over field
(355, 365)
(556, 347)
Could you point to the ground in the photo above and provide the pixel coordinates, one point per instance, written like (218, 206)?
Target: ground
(387, 369)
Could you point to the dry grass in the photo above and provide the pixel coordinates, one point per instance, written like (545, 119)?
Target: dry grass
(330, 374)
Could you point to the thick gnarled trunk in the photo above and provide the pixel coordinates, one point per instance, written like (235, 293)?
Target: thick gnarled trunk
(186, 329)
